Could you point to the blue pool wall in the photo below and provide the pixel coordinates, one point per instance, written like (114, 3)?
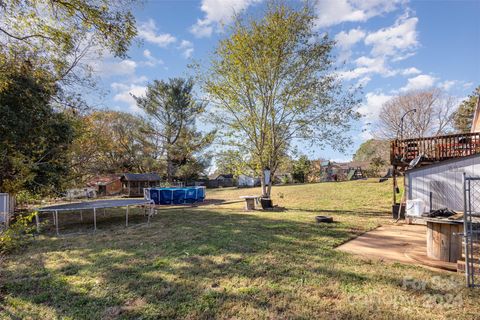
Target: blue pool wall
(170, 196)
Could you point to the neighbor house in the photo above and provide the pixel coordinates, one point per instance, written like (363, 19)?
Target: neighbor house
(220, 180)
(134, 183)
(79, 193)
(326, 171)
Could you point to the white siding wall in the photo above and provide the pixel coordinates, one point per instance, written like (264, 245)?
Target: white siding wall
(445, 181)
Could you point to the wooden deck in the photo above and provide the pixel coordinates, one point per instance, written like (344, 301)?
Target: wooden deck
(434, 149)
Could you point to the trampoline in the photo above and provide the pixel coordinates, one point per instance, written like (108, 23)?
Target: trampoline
(94, 205)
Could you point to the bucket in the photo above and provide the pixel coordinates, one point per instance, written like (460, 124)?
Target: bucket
(266, 203)
(415, 207)
(395, 208)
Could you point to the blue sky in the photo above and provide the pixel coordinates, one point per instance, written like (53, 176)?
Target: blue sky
(388, 47)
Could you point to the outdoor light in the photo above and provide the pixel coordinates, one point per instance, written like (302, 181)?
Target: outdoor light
(401, 122)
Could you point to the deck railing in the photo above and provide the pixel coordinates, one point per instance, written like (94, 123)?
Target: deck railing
(433, 149)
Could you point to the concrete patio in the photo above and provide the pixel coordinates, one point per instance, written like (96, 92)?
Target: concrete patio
(401, 243)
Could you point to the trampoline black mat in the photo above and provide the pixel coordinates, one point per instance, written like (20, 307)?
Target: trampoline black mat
(86, 205)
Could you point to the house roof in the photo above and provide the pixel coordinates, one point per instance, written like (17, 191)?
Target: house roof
(224, 176)
(102, 180)
(354, 164)
(141, 177)
(245, 176)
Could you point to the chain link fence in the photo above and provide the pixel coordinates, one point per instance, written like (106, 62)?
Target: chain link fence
(471, 234)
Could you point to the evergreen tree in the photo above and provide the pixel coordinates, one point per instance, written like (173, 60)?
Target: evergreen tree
(463, 117)
(173, 110)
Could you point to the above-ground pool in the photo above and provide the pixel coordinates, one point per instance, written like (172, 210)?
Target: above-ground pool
(175, 195)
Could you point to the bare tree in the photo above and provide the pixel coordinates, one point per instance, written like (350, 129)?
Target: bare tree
(433, 115)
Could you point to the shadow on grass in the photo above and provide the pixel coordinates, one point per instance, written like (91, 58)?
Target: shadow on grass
(342, 211)
(187, 264)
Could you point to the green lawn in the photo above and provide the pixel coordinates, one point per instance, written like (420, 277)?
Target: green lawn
(219, 262)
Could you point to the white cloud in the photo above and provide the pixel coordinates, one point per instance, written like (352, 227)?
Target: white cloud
(151, 60)
(148, 32)
(396, 40)
(125, 94)
(394, 43)
(332, 12)
(117, 86)
(370, 109)
(187, 48)
(447, 84)
(372, 106)
(420, 82)
(109, 67)
(147, 54)
(141, 79)
(410, 71)
(218, 12)
(365, 66)
(401, 57)
(363, 81)
(347, 39)
(126, 67)
(202, 29)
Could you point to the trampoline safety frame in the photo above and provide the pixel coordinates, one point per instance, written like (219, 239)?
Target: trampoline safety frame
(94, 205)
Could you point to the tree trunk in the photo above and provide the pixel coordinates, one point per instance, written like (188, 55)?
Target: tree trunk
(169, 169)
(265, 193)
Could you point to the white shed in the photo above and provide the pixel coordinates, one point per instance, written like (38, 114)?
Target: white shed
(247, 181)
(441, 182)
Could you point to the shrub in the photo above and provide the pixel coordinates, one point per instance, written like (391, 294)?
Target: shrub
(284, 180)
(18, 233)
(24, 198)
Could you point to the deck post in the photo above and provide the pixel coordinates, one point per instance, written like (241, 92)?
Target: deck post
(394, 179)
